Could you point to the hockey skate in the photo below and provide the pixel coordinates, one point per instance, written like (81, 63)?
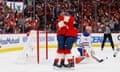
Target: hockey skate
(59, 65)
(69, 65)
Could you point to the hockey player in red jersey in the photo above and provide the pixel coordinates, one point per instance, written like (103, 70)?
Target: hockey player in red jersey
(66, 36)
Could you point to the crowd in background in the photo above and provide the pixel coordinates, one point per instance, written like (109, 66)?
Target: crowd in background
(43, 14)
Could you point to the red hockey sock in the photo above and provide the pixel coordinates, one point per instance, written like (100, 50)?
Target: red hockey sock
(70, 60)
(56, 60)
(78, 59)
(86, 54)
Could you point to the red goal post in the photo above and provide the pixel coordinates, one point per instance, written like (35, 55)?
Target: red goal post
(35, 48)
(39, 44)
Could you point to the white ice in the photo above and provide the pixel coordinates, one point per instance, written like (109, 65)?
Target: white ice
(8, 63)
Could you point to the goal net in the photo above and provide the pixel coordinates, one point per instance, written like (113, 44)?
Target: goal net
(35, 48)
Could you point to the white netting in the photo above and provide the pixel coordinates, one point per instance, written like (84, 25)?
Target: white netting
(35, 41)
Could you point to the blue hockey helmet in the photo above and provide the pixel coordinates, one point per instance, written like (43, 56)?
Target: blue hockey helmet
(85, 33)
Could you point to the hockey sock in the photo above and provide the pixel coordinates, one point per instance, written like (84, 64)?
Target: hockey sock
(69, 59)
(78, 59)
(62, 61)
(86, 54)
(56, 60)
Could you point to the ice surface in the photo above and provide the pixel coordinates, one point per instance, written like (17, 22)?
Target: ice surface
(8, 63)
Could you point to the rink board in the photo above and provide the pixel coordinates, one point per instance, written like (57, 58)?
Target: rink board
(13, 42)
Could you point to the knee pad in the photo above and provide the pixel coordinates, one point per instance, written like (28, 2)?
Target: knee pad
(81, 51)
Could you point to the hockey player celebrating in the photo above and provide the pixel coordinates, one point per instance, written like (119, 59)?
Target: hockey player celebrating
(66, 36)
(84, 46)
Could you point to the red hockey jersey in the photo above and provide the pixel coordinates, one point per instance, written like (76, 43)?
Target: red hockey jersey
(71, 30)
(61, 30)
(68, 29)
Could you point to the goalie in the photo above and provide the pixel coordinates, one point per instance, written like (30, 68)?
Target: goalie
(84, 46)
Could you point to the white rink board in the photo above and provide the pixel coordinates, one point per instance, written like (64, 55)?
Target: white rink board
(18, 40)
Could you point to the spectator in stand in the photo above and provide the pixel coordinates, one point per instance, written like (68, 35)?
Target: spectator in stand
(94, 10)
(10, 23)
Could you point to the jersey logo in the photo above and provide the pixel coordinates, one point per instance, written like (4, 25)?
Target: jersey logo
(66, 18)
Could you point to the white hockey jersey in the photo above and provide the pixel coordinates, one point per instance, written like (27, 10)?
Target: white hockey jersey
(84, 41)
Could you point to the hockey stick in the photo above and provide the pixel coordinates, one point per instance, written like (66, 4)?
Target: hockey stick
(99, 60)
(96, 58)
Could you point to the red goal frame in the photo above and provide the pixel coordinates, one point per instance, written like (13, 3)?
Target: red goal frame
(38, 44)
